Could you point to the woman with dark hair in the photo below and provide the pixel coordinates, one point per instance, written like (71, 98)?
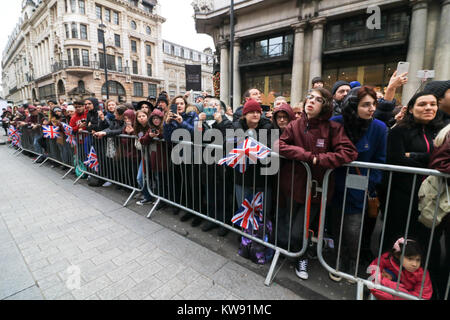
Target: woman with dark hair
(369, 137)
(321, 143)
(410, 143)
(180, 119)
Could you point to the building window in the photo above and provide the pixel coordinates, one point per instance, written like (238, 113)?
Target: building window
(116, 17)
(133, 46)
(166, 48)
(135, 67)
(67, 31)
(178, 51)
(138, 89)
(82, 6)
(83, 31)
(100, 35)
(98, 11)
(148, 30)
(74, 31)
(108, 15)
(85, 57)
(76, 57)
(73, 5)
(152, 89)
(186, 54)
(69, 57)
(117, 40)
(149, 69)
(133, 25)
(119, 64)
(149, 50)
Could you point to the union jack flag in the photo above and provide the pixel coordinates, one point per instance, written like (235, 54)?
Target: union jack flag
(14, 135)
(51, 132)
(68, 131)
(92, 160)
(248, 149)
(13, 132)
(250, 212)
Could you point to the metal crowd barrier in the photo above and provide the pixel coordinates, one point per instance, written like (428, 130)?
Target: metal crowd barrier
(356, 181)
(204, 191)
(27, 140)
(60, 151)
(118, 160)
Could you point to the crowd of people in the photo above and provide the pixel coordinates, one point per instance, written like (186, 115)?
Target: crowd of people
(329, 128)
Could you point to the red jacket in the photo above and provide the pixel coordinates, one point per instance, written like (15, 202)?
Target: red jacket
(304, 139)
(74, 121)
(409, 282)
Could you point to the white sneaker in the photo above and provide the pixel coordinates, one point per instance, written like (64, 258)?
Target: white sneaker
(107, 184)
(301, 269)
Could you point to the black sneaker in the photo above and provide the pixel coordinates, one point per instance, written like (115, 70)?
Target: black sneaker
(143, 201)
(196, 222)
(186, 216)
(209, 226)
(301, 268)
(222, 232)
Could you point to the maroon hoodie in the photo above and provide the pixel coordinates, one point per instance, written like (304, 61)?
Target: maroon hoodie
(304, 139)
(440, 158)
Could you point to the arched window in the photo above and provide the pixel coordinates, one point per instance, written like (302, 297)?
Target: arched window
(133, 25)
(61, 88)
(81, 87)
(115, 88)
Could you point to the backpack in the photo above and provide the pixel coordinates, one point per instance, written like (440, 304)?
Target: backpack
(255, 251)
(428, 194)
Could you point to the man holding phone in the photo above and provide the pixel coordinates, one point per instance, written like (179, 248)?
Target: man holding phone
(78, 121)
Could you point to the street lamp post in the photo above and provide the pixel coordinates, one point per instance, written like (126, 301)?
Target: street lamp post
(102, 27)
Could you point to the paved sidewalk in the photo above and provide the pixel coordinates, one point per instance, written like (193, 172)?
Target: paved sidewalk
(48, 225)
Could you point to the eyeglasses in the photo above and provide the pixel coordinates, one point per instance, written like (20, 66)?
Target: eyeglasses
(281, 117)
(317, 98)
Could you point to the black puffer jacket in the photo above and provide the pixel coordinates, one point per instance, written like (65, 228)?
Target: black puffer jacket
(92, 116)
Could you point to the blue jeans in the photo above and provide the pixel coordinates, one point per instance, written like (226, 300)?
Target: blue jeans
(142, 183)
(37, 147)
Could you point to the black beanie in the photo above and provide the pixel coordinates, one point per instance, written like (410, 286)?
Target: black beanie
(438, 88)
(338, 84)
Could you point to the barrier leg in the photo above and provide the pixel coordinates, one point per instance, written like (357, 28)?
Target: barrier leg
(81, 175)
(129, 198)
(153, 208)
(359, 290)
(45, 160)
(37, 158)
(269, 277)
(21, 150)
(67, 173)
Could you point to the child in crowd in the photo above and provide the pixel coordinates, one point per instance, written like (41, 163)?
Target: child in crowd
(411, 275)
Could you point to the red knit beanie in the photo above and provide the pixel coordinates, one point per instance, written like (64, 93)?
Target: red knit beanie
(250, 106)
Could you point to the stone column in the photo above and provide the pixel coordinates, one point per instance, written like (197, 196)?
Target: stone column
(416, 49)
(297, 63)
(442, 56)
(236, 75)
(316, 48)
(224, 73)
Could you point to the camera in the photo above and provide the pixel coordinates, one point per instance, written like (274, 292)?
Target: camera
(154, 131)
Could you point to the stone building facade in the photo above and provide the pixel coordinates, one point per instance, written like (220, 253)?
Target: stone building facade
(56, 51)
(280, 45)
(175, 58)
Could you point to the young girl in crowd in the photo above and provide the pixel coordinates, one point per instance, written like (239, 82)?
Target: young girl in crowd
(323, 144)
(141, 128)
(128, 150)
(369, 136)
(387, 274)
(157, 154)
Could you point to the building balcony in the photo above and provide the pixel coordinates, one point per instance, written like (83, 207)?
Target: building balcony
(77, 65)
(266, 54)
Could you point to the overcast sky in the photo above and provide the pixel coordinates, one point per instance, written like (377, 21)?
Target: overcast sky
(178, 28)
